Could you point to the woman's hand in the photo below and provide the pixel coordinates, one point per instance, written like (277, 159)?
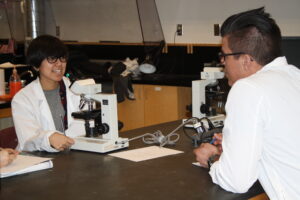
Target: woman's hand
(60, 142)
(7, 156)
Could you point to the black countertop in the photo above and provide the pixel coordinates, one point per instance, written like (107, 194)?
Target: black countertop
(152, 79)
(166, 79)
(85, 175)
(5, 104)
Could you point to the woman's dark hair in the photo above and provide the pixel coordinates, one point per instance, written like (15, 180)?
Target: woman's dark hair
(45, 46)
(255, 33)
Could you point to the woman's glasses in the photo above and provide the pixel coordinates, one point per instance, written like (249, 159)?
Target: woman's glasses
(53, 60)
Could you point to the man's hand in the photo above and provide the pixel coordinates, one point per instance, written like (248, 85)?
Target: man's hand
(7, 156)
(204, 152)
(60, 142)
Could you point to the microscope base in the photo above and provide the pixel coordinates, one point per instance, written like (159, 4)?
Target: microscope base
(99, 145)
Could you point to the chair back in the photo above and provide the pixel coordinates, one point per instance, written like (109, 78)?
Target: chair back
(8, 138)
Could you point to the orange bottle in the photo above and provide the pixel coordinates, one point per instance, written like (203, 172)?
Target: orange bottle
(14, 83)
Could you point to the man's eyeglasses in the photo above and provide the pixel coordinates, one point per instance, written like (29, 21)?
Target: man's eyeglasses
(222, 55)
(53, 60)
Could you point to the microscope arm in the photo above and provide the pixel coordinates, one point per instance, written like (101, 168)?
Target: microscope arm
(198, 96)
(109, 112)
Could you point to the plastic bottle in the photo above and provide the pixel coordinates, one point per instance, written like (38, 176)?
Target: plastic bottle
(14, 83)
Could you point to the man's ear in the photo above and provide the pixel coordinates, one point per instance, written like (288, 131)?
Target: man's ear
(249, 65)
(247, 61)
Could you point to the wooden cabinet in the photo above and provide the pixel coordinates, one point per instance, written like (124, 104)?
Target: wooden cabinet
(5, 118)
(5, 112)
(131, 112)
(154, 104)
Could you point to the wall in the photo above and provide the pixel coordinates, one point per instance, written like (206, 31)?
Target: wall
(15, 22)
(198, 16)
(94, 20)
(6, 122)
(117, 20)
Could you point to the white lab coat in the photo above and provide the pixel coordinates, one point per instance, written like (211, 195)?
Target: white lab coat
(33, 119)
(260, 136)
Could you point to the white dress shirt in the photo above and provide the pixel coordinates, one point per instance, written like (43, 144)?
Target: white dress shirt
(261, 132)
(33, 119)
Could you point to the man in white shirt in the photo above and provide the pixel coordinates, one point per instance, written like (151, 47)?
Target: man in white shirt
(259, 139)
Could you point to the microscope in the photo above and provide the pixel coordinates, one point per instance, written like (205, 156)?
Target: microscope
(101, 122)
(202, 94)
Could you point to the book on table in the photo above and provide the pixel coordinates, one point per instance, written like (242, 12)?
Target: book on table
(25, 164)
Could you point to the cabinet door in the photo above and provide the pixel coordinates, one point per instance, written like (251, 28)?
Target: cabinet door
(131, 112)
(154, 104)
(184, 99)
(160, 104)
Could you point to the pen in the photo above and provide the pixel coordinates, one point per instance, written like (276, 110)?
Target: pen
(62, 125)
(213, 140)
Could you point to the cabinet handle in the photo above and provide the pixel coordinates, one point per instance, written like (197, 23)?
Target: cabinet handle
(157, 88)
(146, 93)
(139, 93)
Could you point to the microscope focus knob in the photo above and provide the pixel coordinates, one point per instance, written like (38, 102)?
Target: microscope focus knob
(204, 108)
(103, 128)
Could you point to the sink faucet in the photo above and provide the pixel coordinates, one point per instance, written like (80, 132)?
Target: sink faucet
(26, 72)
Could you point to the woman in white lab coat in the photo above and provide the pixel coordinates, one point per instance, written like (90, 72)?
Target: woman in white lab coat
(7, 156)
(42, 110)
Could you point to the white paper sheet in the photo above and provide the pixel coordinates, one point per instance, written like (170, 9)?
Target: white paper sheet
(145, 153)
(24, 164)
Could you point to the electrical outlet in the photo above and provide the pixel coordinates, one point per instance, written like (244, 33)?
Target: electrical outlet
(179, 29)
(216, 29)
(57, 29)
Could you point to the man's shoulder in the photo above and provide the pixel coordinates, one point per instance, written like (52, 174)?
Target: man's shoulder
(259, 79)
(246, 82)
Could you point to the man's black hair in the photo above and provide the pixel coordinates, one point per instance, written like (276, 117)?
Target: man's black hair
(45, 46)
(253, 32)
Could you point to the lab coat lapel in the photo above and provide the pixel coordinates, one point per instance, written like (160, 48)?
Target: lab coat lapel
(70, 98)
